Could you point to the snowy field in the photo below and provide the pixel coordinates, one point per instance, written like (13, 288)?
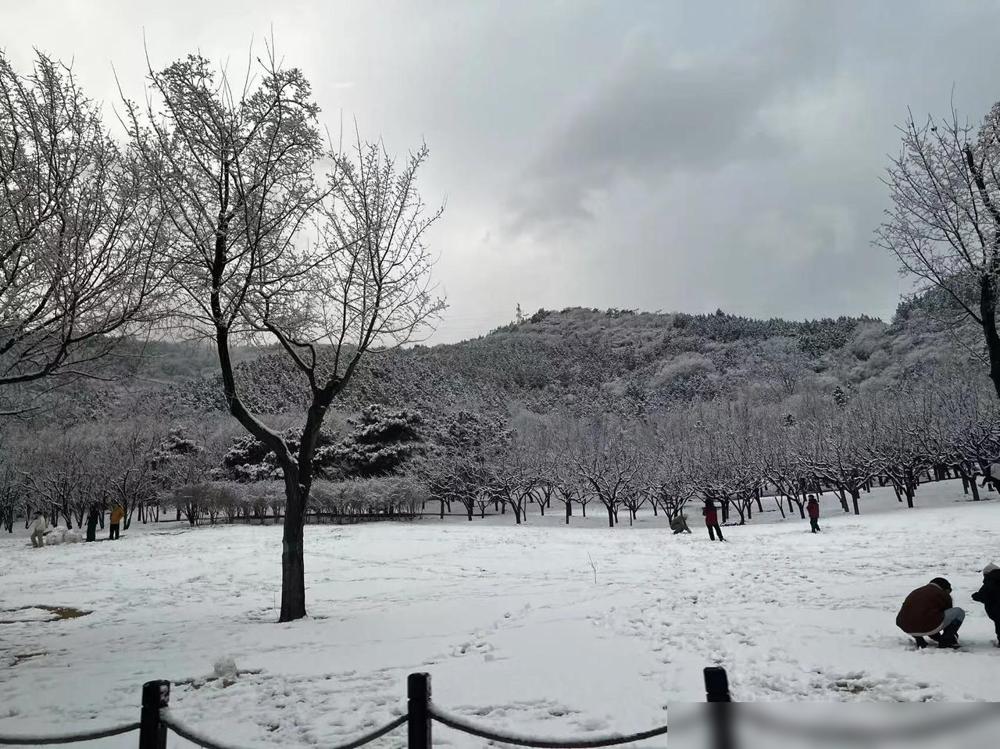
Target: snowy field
(510, 621)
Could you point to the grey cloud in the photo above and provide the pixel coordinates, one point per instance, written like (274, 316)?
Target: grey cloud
(683, 155)
(652, 116)
(647, 119)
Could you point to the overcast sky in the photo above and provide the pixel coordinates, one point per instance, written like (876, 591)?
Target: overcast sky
(648, 155)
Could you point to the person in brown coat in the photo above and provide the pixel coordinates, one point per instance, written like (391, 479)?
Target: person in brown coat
(928, 612)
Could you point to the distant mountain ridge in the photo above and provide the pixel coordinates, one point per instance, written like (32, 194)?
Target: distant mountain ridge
(581, 360)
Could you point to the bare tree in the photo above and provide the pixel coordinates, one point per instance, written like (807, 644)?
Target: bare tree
(513, 474)
(57, 469)
(783, 464)
(902, 419)
(132, 468)
(330, 271)
(80, 233)
(11, 492)
(555, 445)
(667, 459)
(944, 223)
(460, 468)
(608, 463)
(842, 448)
(965, 432)
(188, 456)
(444, 478)
(726, 465)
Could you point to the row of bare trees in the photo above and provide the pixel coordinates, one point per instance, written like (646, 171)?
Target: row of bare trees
(67, 472)
(214, 501)
(734, 454)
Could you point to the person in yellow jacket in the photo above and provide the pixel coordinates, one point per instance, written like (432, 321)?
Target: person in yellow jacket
(117, 515)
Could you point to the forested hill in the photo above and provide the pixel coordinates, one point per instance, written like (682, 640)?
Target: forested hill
(580, 360)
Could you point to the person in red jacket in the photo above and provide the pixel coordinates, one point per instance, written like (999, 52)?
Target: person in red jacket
(812, 507)
(712, 520)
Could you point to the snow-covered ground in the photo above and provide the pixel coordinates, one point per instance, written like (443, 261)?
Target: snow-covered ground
(515, 625)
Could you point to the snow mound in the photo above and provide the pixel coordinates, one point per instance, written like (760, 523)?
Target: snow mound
(225, 668)
(60, 535)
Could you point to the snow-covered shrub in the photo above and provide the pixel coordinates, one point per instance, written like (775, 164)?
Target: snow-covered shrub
(381, 442)
(248, 460)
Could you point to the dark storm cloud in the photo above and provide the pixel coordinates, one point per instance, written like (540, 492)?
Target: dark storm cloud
(655, 113)
(645, 120)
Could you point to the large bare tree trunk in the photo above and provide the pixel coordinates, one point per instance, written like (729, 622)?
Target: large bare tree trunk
(988, 310)
(293, 576)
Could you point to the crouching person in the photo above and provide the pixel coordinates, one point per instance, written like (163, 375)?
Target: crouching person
(679, 524)
(928, 612)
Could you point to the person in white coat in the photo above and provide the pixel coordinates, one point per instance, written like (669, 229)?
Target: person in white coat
(38, 529)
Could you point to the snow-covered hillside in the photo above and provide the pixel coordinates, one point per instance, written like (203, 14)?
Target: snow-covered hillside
(510, 621)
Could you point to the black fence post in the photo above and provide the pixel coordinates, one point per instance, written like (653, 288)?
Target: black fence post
(418, 703)
(717, 685)
(152, 731)
(720, 712)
